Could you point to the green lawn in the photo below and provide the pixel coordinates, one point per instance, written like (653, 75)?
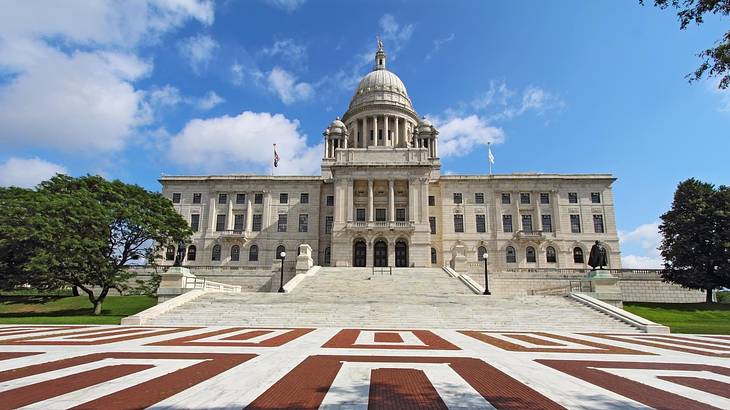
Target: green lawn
(57, 309)
(686, 317)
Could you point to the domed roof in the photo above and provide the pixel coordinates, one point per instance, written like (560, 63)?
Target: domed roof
(381, 86)
(337, 123)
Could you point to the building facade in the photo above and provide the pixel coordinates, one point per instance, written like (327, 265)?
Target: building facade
(382, 201)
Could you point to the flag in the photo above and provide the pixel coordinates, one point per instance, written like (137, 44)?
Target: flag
(276, 157)
(491, 157)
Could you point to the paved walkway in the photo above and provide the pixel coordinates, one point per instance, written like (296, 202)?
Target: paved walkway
(49, 367)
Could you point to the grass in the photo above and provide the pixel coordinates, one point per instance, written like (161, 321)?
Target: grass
(708, 318)
(60, 309)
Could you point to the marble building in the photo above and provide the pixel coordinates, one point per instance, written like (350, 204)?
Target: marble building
(381, 201)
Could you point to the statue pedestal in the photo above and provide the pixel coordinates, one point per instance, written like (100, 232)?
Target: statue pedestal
(459, 259)
(173, 283)
(304, 260)
(605, 287)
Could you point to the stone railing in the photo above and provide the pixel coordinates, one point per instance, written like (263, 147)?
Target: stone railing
(381, 225)
(209, 285)
(528, 235)
(650, 274)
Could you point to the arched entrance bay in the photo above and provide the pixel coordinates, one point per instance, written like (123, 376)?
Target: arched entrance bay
(401, 253)
(359, 253)
(380, 253)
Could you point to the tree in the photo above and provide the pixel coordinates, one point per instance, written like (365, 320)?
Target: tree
(84, 231)
(716, 60)
(695, 245)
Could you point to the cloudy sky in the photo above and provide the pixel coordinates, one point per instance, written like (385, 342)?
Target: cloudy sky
(135, 89)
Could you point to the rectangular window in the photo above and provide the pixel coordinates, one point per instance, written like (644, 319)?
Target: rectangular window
(222, 198)
(360, 214)
(527, 223)
(304, 198)
(281, 225)
(547, 223)
(431, 200)
(572, 197)
(458, 223)
(238, 222)
(258, 198)
(525, 198)
(176, 197)
(595, 197)
(330, 200)
(195, 222)
(506, 198)
(506, 223)
(220, 222)
(598, 224)
(283, 198)
(380, 214)
(400, 214)
(479, 198)
(328, 220)
(544, 198)
(432, 224)
(575, 223)
(240, 199)
(197, 198)
(257, 218)
(481, 223)
(303, 222)
(457, 197)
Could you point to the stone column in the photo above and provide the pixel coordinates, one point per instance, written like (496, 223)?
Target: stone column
(370, 200)
(365, 133)
(538, 212)
(391, 200)
(267, 211)
(229, 214)
(391, 253)
(424, 200)
(350, 199)
(435, 147)
(396, 137)
(249, 213)
(370, 254)
(412, 200)
(385, 130)
(212, 212)
(556, 214)
(375, 130)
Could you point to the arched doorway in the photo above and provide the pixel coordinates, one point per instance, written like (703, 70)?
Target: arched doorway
(401, 253)
(380, 253)
(359, 253)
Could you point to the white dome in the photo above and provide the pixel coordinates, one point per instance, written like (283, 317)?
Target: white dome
(381, 87)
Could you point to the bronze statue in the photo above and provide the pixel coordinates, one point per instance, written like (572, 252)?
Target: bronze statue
(180, 254)
(597, 258)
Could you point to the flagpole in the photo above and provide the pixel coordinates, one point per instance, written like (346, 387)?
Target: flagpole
(489, 159)
(273, 159)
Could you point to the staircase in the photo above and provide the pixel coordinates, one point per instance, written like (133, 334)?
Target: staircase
(409, 298)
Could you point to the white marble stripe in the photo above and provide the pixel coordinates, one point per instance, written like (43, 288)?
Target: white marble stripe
(367, 337)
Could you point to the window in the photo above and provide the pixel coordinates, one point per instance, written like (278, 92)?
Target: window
(328, 220)
(215, 254)
(572, 197)
(506, 223)
(595, 197)
(575, 223)
(479, 198)
(238, 223)
(327, 256)
(235, 253)
(197, 198)
(510, 255)
(283, 198)
(577, 255)
(431, 200)
(550, 255)
(240, 199)
(195, 222)
(176, 197)
(191, 252)
(283, 220)
(258, 198)
(222, 198)
(253, 253)
(506, 198)
(432, 224)
(530, 255)
(527, 223)
(547, 223)
(220, 222)
(279, 250)
(457, 197)
(481, 223)
(598, 224)
(360, 214)
(434, 256)
(170, 253)
(303, 222)
(380, 214)
(525, 198)
(544, 198)
(330, 200)
(256, 223)
(458, 223)
(304, 198)
(480, 253)
(400, 214)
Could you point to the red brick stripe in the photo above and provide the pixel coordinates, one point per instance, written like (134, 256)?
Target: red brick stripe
(710, 386)
(15, 355)
(663, 345)
(591, 347)
(248, 335)
(345, 339)
(272, 342)
(388, 337)
(42, 339)
(405, 389)
(534, 340)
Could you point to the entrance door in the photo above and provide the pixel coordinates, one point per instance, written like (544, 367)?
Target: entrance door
(401, 254)
(380, 254)
(359, 254)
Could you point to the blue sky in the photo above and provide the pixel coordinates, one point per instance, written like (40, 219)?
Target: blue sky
(134, 89)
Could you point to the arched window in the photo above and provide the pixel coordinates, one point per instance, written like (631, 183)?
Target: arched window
(577, 255)
(480, 253)
(550, 255)
(235, 253)
(253, 253)
(530, 254)
(434, 256)
(279, 250)
(215, 255)
(170, 253)
(191, 252)
(511, 255)
(327, 256)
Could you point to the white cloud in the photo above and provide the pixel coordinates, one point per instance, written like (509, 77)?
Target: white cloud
(240, 74)
(645, 239)
(287, 48)
(165, 96)
(198, 50)
(209, 101)
(243, 143)
(394, 35)
(498, 94)
(286, 5)
(458, 136)
(437, 44)
(285, 85)
(27, 172)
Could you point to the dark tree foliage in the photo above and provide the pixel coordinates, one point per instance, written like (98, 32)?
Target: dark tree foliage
(716, 60)
(696, 241)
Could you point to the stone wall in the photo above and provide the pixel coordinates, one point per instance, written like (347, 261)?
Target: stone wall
(634, 290)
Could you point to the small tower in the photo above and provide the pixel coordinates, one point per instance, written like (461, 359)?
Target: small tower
(380, 57)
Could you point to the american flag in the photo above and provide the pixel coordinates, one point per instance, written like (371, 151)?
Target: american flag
(276, 157)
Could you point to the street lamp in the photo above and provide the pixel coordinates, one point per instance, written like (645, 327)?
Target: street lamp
(486, 275)
(281, 287)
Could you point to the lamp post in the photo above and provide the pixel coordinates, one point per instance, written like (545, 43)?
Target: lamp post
(486, 275)
(281, 286)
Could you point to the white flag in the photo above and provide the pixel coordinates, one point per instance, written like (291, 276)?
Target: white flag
(491, 157)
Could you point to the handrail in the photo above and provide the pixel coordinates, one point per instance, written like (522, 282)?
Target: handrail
(205, 284)
(382, 269)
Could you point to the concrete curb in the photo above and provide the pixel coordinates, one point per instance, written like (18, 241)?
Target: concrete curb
(299, 277)
(145, 315)
(465, 279)
(647, 326)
